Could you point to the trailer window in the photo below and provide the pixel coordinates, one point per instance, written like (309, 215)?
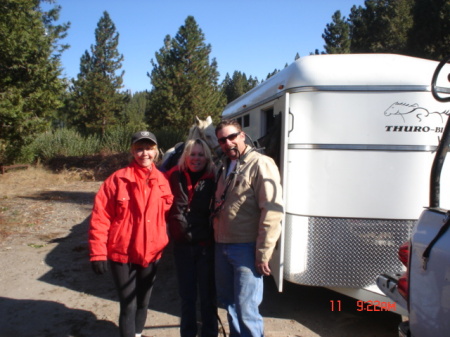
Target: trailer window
(269, 119)
(246, 121)
(271, 139)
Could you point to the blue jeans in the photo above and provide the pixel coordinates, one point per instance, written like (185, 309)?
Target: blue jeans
(240, 288)
(195, 272)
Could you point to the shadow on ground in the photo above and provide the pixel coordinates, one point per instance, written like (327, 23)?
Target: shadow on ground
(44, 318)
(71, 267)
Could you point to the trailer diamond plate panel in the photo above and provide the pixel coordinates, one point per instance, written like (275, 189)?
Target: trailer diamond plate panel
(345, 252)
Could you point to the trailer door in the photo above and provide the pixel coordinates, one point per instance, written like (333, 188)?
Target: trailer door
(277, 262)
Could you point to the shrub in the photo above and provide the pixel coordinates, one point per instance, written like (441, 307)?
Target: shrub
(70, 143)
(117, 139)
(167, 137)
(61, 142)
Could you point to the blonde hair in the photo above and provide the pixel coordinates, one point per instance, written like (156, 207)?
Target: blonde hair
(188, 146)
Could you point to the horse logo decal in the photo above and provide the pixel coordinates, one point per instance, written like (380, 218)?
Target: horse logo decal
(403, 110)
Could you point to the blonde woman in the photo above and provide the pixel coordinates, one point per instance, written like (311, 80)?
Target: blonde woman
(192, 184)
(128, 230)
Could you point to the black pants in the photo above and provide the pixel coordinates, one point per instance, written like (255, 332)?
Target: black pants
(195, 271)
(134, 284)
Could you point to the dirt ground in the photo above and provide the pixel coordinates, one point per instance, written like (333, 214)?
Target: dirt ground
(47, 288)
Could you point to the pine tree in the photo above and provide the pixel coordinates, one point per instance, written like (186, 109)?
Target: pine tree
(97, 100)
(430, 34)
(235, 86)
(30, 86)
(185, 82)
(337, 35)
(381, 27)
(274, 72)
(419, 28)
(134, 111)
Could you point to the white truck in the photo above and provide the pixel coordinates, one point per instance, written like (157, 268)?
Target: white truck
(423, 288)
(353, 136)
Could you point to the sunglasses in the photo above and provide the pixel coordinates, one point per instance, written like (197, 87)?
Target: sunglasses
(231, 137)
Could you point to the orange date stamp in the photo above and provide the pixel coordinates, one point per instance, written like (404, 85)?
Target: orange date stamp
(336, 305)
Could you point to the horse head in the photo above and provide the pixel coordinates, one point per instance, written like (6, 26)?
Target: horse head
(205, 130)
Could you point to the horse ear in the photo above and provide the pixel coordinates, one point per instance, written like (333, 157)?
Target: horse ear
(197, 120)
(209, 119)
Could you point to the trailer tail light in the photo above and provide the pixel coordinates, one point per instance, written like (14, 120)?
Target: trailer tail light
(403, 282)
(403, 253)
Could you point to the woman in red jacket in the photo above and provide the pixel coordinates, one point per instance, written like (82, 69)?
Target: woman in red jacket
(128, 229)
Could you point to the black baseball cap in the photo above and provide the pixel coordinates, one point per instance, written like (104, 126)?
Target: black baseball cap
(140, 135)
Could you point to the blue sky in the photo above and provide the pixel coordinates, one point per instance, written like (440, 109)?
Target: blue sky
(251, 36)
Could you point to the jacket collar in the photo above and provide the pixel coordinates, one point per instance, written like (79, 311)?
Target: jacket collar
(247, 153)
(137, 172)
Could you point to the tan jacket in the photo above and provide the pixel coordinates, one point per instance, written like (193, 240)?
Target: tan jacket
(252, 208)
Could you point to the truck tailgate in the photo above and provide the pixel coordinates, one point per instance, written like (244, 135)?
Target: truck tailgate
(429, 288)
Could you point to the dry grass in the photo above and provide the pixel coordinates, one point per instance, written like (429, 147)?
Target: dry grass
(20, 182)
(21, 210)
(27, 196)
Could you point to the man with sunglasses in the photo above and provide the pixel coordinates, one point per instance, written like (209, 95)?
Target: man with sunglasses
(247, 215)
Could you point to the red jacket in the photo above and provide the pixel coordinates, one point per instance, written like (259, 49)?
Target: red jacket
(128, 219)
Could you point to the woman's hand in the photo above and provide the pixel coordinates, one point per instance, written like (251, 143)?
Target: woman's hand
(99, 267)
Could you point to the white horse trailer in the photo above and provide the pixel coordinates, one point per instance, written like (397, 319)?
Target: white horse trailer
(354, 147)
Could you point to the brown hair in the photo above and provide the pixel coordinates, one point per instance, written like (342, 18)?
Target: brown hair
(228, 122)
